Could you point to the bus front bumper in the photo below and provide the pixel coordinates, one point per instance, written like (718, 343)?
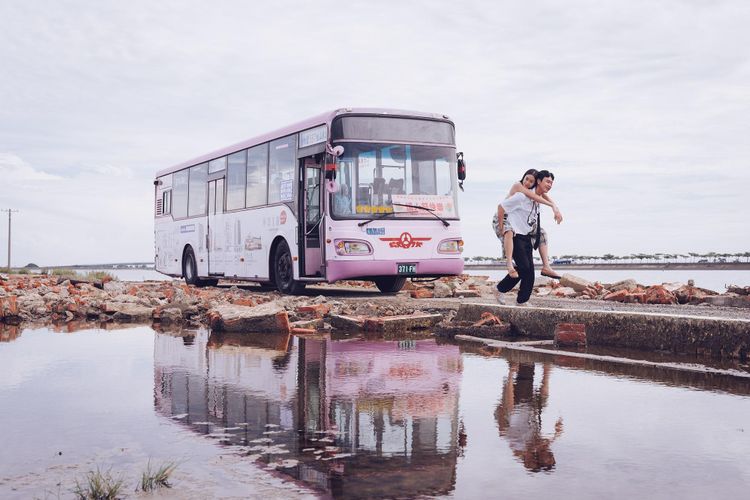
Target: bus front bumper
(358, 269)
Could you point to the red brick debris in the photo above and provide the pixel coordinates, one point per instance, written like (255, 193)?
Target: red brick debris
(34, 298)
(488, 319)
(570, 334)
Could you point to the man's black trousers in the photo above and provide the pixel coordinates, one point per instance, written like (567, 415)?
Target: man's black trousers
(522, 255)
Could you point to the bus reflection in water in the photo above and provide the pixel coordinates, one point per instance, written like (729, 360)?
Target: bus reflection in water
(356, 418)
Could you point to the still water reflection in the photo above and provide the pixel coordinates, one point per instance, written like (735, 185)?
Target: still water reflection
(372, 417)
(352, 417)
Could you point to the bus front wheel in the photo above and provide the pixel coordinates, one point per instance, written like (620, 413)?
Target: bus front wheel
(390, 284)
(284, 271)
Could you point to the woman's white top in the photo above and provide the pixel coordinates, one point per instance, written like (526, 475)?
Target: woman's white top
(522, 212)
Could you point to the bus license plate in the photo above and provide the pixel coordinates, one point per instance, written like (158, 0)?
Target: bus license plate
(407, 269)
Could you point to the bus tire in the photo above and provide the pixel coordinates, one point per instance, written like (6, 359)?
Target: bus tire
(390, 284)
(284, 271)
(190, 268)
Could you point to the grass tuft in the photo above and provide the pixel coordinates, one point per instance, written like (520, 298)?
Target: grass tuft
(98, 486)
(63, 271)
(102, 276)
(157, 478)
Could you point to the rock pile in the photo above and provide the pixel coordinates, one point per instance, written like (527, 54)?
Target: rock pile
(459, 286)
(629, 290)
(29, 298)
(43, 298)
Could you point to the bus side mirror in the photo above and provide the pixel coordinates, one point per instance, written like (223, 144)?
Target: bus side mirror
(461, 169)
(330, 167)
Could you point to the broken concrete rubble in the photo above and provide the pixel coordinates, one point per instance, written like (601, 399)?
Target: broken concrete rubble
(247, 309)
(268, 317)
(575, 282)
(442, 290)
(487, 326)
(347, 323)
(629, 285)
(401, 323)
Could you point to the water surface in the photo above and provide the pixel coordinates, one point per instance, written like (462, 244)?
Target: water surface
(363, 417)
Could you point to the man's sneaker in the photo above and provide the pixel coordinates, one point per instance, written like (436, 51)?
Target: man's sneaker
(500, 298)
(523, 304)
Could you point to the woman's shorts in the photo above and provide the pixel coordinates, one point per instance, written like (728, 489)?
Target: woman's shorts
(496, 226)
(506, 228)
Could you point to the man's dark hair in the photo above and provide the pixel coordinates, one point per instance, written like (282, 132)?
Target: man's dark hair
(544, 173)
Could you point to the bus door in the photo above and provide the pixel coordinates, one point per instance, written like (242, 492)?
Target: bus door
(311, 215)
(214, 243)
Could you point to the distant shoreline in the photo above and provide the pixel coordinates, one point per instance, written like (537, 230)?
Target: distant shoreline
(500, 264)
(723, 266)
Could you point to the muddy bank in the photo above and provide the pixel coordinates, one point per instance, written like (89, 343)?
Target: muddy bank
(431, 306)
(26, 298)
(36, 299)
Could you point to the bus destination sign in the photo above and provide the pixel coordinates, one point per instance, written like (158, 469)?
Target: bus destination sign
(313, 136)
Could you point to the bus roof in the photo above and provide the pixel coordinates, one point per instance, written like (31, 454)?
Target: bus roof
(297, 127)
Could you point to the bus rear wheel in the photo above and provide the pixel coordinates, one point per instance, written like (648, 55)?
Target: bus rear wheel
(284, 271)
(190, 271)
(190, 268)
(390, 284)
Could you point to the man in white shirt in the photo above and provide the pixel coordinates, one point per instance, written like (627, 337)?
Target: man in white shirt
(522, 214)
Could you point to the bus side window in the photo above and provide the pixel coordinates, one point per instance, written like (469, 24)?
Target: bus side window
(180, 197)
(166, 202)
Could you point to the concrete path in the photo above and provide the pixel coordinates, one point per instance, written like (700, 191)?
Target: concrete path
(712, 336)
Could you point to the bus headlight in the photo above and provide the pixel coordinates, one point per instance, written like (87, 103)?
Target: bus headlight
(352, 247)
(451, 246)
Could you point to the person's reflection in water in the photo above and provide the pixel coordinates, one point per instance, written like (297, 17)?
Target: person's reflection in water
(519, 417)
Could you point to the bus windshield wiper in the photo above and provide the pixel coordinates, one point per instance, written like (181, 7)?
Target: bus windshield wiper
(431, 210)
(381, 216)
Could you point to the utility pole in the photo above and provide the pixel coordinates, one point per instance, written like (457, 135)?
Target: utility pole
(10, 212)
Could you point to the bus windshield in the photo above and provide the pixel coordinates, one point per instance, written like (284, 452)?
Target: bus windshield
(378, 179)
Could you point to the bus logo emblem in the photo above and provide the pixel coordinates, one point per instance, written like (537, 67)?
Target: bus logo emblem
(406, 240)
(282, 217)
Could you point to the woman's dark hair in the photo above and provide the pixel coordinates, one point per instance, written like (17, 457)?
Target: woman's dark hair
(531, 171)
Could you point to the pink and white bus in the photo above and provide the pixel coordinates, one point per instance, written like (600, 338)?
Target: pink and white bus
(362, 194)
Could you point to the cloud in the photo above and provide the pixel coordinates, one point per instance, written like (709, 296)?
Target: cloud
(640, 108)
(14, 170)
(101, 214)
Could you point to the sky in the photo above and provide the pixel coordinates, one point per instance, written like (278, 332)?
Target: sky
(641, 109)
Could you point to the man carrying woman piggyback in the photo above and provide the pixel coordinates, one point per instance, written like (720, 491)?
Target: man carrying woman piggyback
(521, 231)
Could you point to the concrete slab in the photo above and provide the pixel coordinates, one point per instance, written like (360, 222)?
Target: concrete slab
(269, 317)
(347, 323)
(387, 324)
(709, 336)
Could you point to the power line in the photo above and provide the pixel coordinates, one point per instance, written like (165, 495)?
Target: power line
(10, 212)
